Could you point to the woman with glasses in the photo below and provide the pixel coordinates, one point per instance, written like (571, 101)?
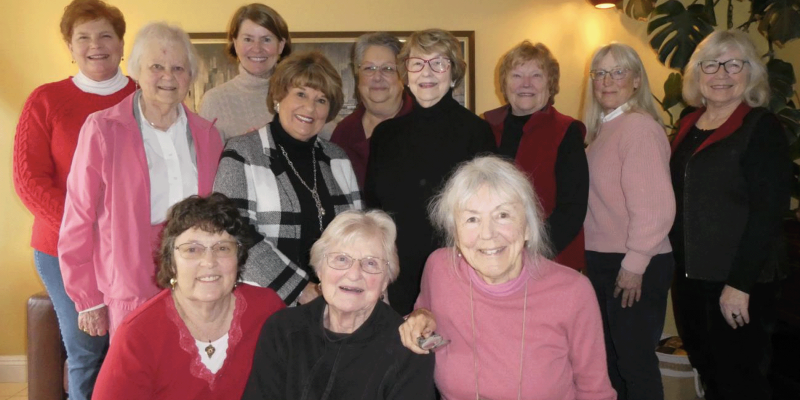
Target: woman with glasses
(195, 339)
(380, 93)
(345, 344)
(631, 209)
(731, 173)
(411, 156)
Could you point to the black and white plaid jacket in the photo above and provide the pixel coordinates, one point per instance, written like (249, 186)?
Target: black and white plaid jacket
(264, 194)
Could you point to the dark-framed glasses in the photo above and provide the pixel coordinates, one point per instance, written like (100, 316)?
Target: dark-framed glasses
(615, 74)
(342, 261)
(385, 70)
(732, 66)
(196, 251)
(438, 64)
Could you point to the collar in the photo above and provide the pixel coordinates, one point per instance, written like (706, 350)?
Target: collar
(445, 105)
(502, 289)
(104, 88)
(616, 113)
(250, 82)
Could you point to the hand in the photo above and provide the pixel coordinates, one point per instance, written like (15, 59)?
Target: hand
(309, 293)
(734, 304)
(95, 322)
(419, 323)
(630, 285)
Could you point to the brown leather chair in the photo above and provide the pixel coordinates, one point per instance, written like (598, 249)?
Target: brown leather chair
(47, 372)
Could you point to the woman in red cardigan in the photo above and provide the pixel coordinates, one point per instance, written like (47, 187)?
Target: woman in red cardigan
(544, 143)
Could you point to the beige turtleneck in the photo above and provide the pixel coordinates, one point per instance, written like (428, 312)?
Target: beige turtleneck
(239, 105)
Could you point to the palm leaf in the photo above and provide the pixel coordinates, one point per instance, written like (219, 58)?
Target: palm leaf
(677, 30)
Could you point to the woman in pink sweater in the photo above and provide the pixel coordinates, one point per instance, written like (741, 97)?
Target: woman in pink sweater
(519, 325)
(631, 209)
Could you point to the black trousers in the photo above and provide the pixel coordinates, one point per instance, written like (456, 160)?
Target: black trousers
(632, 333)
(733, 363)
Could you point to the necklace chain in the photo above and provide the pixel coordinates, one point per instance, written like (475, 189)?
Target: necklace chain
(314, 193)
(210, 349)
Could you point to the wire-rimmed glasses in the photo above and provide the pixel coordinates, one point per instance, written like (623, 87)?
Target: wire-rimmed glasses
(196, 251)
(343, 261)
(615, 74)
(385, 70)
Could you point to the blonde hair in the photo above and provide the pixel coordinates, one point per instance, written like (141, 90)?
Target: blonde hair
(756, 94)
(642, 99)
(434, 41)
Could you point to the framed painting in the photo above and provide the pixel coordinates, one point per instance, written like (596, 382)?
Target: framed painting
(337, 46)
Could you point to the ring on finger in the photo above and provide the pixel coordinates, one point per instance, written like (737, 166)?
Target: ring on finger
(734, 315)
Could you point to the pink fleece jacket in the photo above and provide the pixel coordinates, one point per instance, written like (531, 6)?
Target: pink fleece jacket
(564, 354)
(631, 203)
(106, 246)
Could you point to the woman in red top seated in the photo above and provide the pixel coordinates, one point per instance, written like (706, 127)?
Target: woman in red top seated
(195, 340)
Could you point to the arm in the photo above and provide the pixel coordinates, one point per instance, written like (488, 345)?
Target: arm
(421, 322)
(572, 189)
(127, 371)
(587, 352)
(268, 376)
(266, 266)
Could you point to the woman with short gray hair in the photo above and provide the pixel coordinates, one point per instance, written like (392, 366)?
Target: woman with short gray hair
(132, 163)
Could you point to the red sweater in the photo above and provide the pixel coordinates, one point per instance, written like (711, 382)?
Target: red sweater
(47, 134)
(153, 355)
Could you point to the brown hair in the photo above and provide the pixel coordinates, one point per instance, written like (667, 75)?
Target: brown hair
(262, 15)
(538, 53)
(309, 69)
(80, 11)
(215, 213)
(435, 41)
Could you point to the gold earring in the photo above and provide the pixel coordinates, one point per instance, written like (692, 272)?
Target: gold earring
(173, 282)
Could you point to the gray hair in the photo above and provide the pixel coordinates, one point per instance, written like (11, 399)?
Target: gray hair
(162, 33)
(642, 99)
(384, 39)
(756, 93)
(501, 177)
(355, 225)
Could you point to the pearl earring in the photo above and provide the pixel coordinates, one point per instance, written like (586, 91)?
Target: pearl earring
(452, 84)
(173, 282)
(277, 107)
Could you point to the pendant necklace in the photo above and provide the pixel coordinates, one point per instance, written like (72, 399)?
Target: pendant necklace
(475, 344)
(210, 349)
(314, 193)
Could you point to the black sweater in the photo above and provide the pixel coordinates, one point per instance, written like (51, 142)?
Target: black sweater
(297, 358)
(410, 159)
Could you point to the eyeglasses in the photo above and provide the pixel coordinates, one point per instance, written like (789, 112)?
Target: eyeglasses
(438, 64)
(615, 74)
(732, 66)
(196, 251)
(385, 70)
(342, 261)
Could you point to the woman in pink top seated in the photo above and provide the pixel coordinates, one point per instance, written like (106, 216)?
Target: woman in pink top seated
(631, 209)
(519, 325)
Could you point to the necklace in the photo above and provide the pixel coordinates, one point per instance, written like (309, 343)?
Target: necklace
(314, 193)
(210, 349)
(475, 345)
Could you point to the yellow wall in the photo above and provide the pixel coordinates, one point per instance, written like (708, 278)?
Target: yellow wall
(33, 54)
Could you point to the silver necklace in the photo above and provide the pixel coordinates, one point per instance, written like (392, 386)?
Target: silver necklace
(475, 344)
(314, 193)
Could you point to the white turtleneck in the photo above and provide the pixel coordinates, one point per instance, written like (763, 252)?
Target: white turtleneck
(103, 88)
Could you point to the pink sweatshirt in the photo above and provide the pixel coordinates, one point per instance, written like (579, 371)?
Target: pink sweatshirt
(564, 355)
(631, 203)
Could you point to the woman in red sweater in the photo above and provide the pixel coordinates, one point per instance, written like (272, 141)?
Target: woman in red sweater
(47, 134)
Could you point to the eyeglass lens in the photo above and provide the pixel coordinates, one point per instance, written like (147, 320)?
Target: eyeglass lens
(192, 251)
(438, 64)
(370, 265)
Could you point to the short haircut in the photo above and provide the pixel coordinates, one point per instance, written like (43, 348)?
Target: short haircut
(80, 11)
(435, 41)
(264, 16)
(214, 214)
(538, 53)
(353, 226)
(500, 177)
(642, 99)
(756, 94)
(161, 33)
(308, 69)
(382, 39)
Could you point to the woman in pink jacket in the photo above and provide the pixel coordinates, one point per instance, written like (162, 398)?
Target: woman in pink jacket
(133, 161)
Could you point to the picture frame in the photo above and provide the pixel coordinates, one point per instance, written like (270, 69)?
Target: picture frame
(337, 46)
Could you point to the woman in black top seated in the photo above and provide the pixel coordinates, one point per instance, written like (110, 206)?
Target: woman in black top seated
(411, 156)
(346, 344)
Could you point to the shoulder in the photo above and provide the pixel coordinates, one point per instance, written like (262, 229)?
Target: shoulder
(639, 127)
(246, 144)
(332, 150)
(440, 261)
(52, 96)
(152, 313)
(496, 116)
(563, 281)
(216, 96)
(294, 319)
(264, 298)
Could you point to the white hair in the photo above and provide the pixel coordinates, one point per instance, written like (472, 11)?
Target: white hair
(161, 32)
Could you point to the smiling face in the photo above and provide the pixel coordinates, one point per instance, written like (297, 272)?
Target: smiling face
(610, 93)
(353, 290)
(491, 232)
(209, 278)
(96, 49)
(257, 48)
(722, 89)
(379, 88)
(527, 89)
(303, 112)
(428, 86)
(165, 73)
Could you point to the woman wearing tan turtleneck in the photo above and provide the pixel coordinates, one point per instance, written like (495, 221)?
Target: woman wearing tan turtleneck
(257, 38)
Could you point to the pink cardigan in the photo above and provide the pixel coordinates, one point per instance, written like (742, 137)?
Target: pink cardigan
(106, 244)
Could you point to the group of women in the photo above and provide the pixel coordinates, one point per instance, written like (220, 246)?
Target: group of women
(129, 236)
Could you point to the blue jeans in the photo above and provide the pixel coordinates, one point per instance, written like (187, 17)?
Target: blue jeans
(85, 353)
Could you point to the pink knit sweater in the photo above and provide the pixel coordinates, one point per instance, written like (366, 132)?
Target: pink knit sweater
(631, 203)
(564, 353)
